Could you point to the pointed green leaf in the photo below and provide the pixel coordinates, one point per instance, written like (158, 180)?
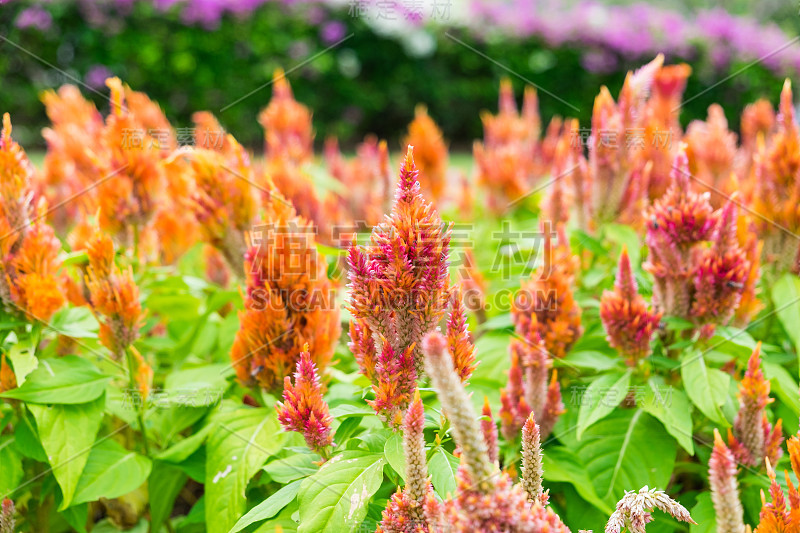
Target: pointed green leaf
(671, 407)
(707, 388)
(66, 380)
(335, 499)
(395, 454)
(601, 398)
(238, 446)
(111, 472)
(67, 434)
(269, 507)
(442, 467)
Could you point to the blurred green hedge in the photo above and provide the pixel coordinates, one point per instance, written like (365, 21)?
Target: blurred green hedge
(367, 84)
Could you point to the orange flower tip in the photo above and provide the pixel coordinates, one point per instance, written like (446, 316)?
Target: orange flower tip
(770, 471)
(487, 410)
(718, 438)
(6, 127)
(409, 162)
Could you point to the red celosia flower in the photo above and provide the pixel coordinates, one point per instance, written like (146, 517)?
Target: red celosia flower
(289, 300)
(399, 289)
(114, 296)
(753, 437)
(721, 273)
(430, 151)
(628, 322)
(724, 487)
(303, 409)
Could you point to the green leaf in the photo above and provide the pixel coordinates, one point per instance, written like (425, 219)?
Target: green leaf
(295, 466)
(24, 361)
(703, 513)
(670, 406)
(164, 484)
(624, 236)
(111, 472)
(237, 448)
(560, 464)
(11, 472)
(706, 387)
(269, 507)
(335, 499)
(443, 466)
(67, 433)
(783, 384)
(786, 297)
(601, 398)
(589, 360)
(395, 454)
(629, 448)
(347, 409)
(75, 322)
(65, 380)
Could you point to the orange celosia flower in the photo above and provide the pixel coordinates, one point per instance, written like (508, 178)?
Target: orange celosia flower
(776, 197)
(114, 296)
(8, 380)
(711, 148)
(430, 152)
(511, 155)
(289, 301)
(776, 516)
(286, 123)
(30, 262)
(366, 181)
(545, 304)
(753, 437)
(459, 341)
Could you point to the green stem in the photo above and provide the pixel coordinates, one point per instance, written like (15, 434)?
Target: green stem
(140, 409)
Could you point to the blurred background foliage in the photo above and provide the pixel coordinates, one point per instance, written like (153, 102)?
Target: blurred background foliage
(207, 54)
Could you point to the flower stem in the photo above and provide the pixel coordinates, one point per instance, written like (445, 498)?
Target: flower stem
(141, 407)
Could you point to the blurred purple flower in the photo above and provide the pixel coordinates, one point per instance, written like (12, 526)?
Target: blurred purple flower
(97, 75)
(34, 17)
(332, 32)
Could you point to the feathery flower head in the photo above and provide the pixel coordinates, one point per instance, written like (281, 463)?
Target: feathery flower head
(628, 322)
(459, 340)
(114, 296)
(287, 124)
(289, 301)
(751, 245)
(532, 470)
(753, 438)
(303, 409)
(633, 510)
(514, 408)
(711, 148)
(133, 155)
(545, 303)
(489, 430)
(399, 281)
(506, 508)
(776, 516)
(431, 152)
(724, 487)
(758, 119)
(682, 215)
(16, 174)
(721, 273)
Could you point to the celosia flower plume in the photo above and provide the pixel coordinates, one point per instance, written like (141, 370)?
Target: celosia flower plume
(303, 409)
(712, 150)
(545, 303)
(398, 293)
(633, 510)
(29, 277)
(725, 488)
(532, 470)
(629, 324)
(753, 438)
(430, 152)
(114, 296)
(289, 301)
(286, 123)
